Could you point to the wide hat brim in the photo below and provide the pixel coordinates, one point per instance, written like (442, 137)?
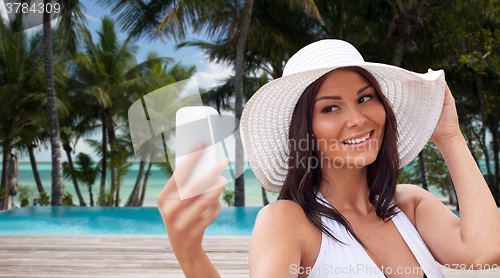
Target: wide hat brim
(416, 100)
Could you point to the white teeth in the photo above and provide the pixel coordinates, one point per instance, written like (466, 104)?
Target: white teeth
(359, 140)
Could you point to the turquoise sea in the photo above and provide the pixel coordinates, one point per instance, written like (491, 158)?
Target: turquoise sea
(48, 220)
(157, 179)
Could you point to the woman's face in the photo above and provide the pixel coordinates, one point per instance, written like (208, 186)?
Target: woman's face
(348, 121)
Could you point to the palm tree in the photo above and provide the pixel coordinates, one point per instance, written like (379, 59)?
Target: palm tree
(69, 34)
(239, 187)
(106, 71)
(67, 135)
(162, 74)
(156, 19)
(220, 97)
(85, 172)
(470, 34)
(100, 70)
(239, 184)
(79, 121)
(231, 48)
(20, 62)
(170, 18)
(55, 141)
(119, 166)
(10, 81)
(33, 135)
(408, 16)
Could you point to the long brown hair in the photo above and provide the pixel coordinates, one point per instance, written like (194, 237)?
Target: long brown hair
(302, 181)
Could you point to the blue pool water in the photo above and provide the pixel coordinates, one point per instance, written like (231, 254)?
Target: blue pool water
(233, 221)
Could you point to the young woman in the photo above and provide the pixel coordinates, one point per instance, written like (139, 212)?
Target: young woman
(329, 136)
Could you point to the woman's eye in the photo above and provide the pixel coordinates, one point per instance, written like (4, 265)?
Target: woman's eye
(365, 98)
(329, 109)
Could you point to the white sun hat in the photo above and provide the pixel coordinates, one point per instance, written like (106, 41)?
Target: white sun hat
(416, 99)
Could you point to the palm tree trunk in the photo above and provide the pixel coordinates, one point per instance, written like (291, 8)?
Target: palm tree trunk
(111, 196)
(55, 141)
(67, 148)
(397, 59)
(493, 127)
(423, 171)
(132, 199)
(117, 198)
(239, 186)
(91, 196)
(489, 175)
(111, 139)
(34, 167)
(4, 183)
(484, 148)
(104, 159)
(144, 184)
(341, 19)
(113, 187)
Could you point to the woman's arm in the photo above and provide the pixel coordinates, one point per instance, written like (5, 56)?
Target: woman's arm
(479, 216)
(196, 264)
(187, 219)
(472, 238)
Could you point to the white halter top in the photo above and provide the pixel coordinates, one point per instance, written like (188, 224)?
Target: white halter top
(351, 260)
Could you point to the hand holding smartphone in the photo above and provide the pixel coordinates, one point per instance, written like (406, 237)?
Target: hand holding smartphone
(196, 126)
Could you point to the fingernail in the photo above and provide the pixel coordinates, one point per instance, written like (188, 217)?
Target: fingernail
(429, 70)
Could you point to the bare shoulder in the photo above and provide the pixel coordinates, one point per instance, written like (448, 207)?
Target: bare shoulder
(276, 243)
(283, 211)
(283, 217)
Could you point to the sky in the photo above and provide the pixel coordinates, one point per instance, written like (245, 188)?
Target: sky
(208, 74)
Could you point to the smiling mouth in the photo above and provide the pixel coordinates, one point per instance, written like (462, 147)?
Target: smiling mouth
(358, 140)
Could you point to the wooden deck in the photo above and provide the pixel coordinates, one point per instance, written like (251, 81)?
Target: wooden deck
(124, 256)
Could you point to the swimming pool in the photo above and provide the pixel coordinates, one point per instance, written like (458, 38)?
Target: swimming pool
(232, 221)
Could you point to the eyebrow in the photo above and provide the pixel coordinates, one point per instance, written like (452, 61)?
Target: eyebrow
(339, 98)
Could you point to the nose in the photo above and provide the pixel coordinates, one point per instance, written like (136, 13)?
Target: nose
(355, 117)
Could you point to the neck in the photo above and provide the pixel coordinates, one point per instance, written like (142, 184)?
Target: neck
(346, 189)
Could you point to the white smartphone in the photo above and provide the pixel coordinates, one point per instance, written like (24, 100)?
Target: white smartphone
(193, 125)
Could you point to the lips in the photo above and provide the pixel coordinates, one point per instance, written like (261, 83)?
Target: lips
(358, 138)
